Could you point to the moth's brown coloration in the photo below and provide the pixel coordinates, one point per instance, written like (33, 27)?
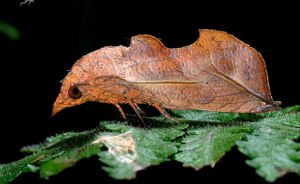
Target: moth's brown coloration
(217, 73)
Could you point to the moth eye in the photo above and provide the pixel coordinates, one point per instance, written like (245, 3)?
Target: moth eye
(74, 92)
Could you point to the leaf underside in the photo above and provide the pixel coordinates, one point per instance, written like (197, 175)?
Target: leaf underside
(269, 140)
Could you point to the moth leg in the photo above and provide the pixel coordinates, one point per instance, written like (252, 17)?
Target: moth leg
(121, 111)
(136, 109)
(119, 108)
(139, 109)
(164, 112)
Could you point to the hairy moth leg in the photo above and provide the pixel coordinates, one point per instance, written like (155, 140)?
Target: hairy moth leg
(136, 109)
(164, 112)
(139, 109)
(120, 109)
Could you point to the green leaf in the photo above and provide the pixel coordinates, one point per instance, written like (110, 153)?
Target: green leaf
(209, 136)
(9, 30)
(206, 116)
(270, 140)
(8, 172)
(271, 146)
(206, 145)
(134, 149)
(58, 153)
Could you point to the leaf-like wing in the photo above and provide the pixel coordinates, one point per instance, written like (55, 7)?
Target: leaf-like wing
(218, 72)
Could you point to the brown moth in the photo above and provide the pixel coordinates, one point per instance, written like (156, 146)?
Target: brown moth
(216, 73)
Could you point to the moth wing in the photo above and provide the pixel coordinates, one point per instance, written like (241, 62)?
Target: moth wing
(217, 72)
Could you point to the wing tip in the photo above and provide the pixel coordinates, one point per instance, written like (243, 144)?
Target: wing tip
(270, 107)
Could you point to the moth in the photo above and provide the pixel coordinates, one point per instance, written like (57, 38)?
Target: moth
(218, 72)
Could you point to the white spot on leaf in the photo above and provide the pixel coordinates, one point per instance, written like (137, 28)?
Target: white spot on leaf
(121, 146)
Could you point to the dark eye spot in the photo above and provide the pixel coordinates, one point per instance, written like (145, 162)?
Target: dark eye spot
(74, 92)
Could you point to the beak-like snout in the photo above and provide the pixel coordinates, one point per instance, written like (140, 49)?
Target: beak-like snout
(58, 105)
(63, 102)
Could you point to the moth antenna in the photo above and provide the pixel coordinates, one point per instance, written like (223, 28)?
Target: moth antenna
(164, 112)
(135, 108)
(119, 108)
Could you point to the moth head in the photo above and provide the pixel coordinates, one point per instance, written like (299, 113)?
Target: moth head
(74, 90)
(79, 86)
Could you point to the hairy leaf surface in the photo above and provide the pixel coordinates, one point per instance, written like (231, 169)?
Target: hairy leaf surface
(271, 141)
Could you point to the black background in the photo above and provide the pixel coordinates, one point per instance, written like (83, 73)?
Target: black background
(57, 33)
